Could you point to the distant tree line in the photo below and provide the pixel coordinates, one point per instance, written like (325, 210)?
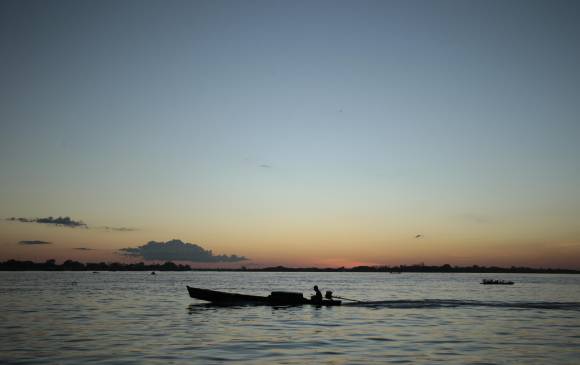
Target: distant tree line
(425, 268)
(70, 265)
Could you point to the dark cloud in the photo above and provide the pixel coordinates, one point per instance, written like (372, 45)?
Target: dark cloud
(83, 249)
(68, 222)
(35, 242)
(60, 221)
(178, 250)
(419, 236)
(266, 166)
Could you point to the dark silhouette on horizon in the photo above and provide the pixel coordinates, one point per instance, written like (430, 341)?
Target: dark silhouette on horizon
(70, 265)
(496, 282)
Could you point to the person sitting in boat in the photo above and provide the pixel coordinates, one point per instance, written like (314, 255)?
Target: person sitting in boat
(317, 297)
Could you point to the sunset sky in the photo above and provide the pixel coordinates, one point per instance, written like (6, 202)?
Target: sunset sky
(298, 133)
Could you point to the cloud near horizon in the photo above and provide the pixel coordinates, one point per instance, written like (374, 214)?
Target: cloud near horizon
(68, 222)
(83, 249)
(34, 242)
(60, 221)
(179, 251)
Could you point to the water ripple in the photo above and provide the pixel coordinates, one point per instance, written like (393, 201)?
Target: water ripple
(132, 318)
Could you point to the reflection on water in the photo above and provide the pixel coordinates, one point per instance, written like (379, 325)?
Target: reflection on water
(122, 318)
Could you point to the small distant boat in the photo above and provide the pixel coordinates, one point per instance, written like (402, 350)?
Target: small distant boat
(496, 282)
(152, 272)
(275, 298)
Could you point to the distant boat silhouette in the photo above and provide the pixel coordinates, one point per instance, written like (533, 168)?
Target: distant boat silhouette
(496, 282)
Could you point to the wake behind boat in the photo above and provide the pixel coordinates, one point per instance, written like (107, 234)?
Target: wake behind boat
(275, 298)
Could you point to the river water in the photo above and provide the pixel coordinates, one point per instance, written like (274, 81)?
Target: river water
(415, 318)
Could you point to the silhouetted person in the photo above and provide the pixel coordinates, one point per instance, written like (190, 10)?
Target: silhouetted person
(317, 297)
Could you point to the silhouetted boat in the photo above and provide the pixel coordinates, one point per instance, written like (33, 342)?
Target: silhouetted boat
(275, 298)
(496, 282)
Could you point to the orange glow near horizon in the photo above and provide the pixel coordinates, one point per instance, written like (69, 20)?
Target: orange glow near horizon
(312, 249)
(563, 258)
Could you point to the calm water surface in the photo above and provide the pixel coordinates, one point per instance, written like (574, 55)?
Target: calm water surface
(138, 318)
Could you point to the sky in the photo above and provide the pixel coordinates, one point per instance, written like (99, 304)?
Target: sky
(297, 133)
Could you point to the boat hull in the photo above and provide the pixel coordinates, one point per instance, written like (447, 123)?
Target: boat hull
(276, 298)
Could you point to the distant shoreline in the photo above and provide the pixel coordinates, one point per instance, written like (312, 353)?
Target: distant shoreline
(70, 265)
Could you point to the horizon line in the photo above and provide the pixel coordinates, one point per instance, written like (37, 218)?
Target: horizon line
(72, 265)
